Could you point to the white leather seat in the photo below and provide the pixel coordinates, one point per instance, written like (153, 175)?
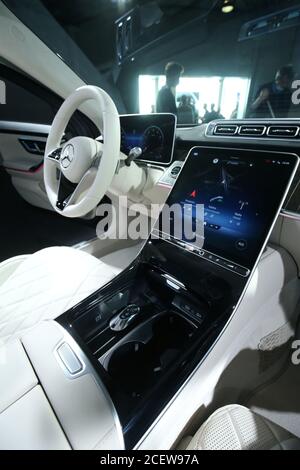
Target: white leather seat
(44, 285)
(235, 427)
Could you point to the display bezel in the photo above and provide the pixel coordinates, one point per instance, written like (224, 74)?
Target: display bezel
(154, 162)
(249, 152)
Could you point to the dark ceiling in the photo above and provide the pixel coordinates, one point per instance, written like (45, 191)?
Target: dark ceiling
(77, 11)
(91, 23)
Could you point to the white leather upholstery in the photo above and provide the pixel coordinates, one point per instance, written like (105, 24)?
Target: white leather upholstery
(8, 266)
(16, 374)
(43, 406)
(235, 427)
(80, 402)
(45, 285)
(30, 424)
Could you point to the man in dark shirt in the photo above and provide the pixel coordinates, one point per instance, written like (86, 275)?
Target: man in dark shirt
(273, 100)
(166, 98)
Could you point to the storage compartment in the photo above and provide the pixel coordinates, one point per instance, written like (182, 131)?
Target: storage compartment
(143, 357)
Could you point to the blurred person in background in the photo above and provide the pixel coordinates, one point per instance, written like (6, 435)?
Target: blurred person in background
(166, 98)
(185, 112)
(274, 99)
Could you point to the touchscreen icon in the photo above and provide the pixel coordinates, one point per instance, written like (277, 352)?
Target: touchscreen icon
(218, 199)
(243, 204)
(241, 245)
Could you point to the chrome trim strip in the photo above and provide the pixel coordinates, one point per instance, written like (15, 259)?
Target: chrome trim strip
(290, 215)
(173, 279)
(84, 244)
(24, 127)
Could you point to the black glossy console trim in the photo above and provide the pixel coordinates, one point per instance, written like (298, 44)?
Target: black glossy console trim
(211, 257)
(206, 309)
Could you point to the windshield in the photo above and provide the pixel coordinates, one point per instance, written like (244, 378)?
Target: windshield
(201, 60)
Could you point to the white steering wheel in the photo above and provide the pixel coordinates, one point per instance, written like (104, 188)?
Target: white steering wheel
(78, 174)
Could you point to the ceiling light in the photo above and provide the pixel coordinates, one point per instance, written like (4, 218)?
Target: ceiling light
(228, 6)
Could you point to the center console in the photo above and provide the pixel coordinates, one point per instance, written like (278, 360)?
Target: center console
(147, 330)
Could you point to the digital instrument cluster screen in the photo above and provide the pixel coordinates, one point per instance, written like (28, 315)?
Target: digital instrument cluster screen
(240, 192)
(153, 134)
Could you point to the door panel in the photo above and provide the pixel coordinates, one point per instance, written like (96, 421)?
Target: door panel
(21, 150)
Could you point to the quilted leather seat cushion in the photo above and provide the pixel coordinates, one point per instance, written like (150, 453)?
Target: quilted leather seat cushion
(235, 427)
(47, 284)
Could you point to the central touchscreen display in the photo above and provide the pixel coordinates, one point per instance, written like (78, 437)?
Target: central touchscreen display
(154, 134)
(241, 191)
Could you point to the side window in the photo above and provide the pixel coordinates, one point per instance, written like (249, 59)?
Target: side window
(21, 101)
(25, 100)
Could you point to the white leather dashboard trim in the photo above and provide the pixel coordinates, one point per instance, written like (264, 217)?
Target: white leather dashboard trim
(286, 233)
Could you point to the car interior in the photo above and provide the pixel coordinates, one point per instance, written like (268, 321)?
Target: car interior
(129, 332)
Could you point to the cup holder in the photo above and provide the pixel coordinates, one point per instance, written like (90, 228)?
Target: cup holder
(144, 355)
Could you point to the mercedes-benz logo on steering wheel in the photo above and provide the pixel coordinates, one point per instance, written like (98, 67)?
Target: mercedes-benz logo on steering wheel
(68, 156)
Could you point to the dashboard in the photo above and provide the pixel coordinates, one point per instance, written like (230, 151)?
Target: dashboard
(240, 192)
(153, 134)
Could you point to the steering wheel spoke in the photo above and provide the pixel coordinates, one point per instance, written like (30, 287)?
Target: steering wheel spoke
(65, 191)
(55, 155)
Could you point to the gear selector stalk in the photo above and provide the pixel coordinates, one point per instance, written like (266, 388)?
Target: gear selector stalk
(124, 318)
